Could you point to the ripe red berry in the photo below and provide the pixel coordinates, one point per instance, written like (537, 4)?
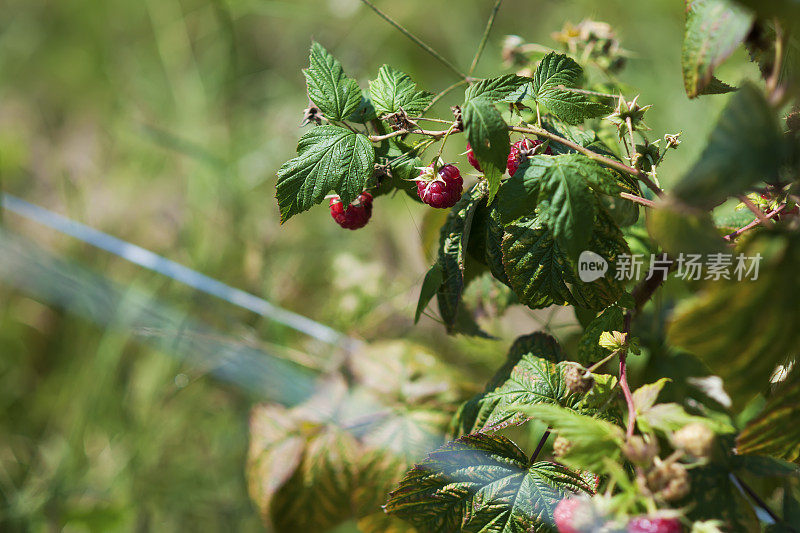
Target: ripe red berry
(443, 190)
(355, 215)
(574, 515)
(644, 524)
(472, 160)
(522, 149)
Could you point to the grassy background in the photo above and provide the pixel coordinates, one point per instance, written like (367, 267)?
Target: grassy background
(163, 122)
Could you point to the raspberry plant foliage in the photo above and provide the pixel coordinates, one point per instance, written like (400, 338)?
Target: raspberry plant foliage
(708, 439)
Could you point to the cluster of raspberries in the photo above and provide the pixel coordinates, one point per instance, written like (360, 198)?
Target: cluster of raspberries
(440, 189)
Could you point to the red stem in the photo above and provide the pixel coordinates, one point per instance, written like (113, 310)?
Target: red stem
(623, 380)
(641, 295)
(626, 391)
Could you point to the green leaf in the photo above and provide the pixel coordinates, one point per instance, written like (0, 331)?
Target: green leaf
(745, 148)
(472, 415)
(623, 211)
(543, 177)
(487, 134)
(567, 207)
(535, 381)
(394, 90)
(775, 431)
(336, 95)
(680, 230)
(716, 86)
(592, 441)
(744, 329)
(482, 483)
(495, 89)
(329, 158)
(645, 396)
(486, 240)
(589, 349)
(714, 29)
(728, 218)
(365, 111)
(669, 417)
(533, 373)
(453, 241)
(763, 466)
(404, 171)
(555, 73)
(543, 275)
(430, 286)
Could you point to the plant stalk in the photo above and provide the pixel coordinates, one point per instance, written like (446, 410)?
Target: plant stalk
(415, 39)
(485, 37)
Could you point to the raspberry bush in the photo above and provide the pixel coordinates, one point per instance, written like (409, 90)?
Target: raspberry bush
(567, 178)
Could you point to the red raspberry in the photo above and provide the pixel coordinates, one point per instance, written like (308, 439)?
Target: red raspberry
(442, 191)
(354, 216)
(520, 150)
(573, 515)
(472, 160)
(644, 524)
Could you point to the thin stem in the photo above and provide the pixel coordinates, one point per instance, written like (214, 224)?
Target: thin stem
(541, 132)
(756, 498)
(485, 37)
(754, 223)
(641, 295)
(772, 82)
(439, 120)
(416, 39)
(602, 361)
(637, 199)
(603, 160)
(398, 133)
(444, 140)
(443, 94)
(541, 444)
(623, 378)
(762, 218)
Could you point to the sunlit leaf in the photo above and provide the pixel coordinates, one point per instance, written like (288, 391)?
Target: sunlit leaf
(745, 147)
(744, 328)
(329, 158)
(555, 74)
(482, 483)
(775, 431)
(714, 29)
(336, 95)
(394, 90)
(487, 134)
(543, 275)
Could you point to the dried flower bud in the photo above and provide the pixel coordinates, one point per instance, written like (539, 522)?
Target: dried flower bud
(669, 481)
(311, 114)
(561, 447)
(639, 451)
(695, 439)
(578, 380)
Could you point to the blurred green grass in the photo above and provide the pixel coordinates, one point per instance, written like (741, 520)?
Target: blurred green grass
(162, 122)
